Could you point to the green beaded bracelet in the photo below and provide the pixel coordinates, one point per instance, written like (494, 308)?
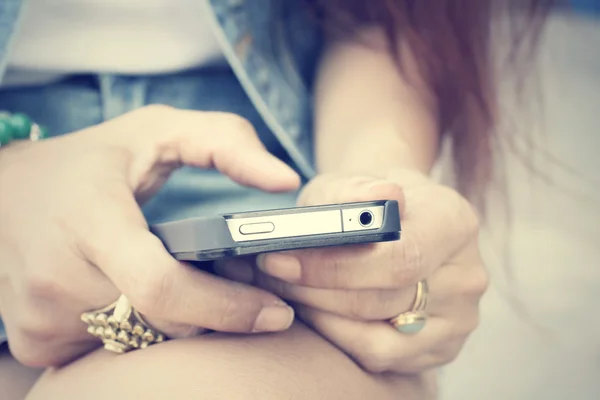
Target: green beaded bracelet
(19, 127)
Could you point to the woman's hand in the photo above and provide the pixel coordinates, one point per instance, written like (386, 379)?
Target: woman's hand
(73, 238)
(349, 293)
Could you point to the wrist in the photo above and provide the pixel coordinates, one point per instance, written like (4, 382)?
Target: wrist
(376, 150)
(382, 162)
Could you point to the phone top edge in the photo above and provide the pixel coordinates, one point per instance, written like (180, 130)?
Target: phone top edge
(301, 209)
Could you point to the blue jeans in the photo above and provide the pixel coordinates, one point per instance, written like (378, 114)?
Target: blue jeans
(82, 101)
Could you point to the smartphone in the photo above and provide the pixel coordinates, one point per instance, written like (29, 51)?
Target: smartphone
(239, 234)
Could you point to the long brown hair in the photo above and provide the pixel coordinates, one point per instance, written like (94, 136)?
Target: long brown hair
(450, 42)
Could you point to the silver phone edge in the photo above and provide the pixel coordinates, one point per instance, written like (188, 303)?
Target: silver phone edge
(313, 222)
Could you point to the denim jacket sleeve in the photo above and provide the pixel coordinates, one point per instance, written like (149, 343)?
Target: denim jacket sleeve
(10, 10)
(272, 46)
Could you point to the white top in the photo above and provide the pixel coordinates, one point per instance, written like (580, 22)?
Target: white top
(119, 36)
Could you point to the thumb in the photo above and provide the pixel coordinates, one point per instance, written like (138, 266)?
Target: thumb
(176, 298)
(333, 189)
(164, 138)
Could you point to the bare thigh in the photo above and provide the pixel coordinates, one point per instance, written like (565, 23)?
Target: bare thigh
(294, 365)
(15, 379)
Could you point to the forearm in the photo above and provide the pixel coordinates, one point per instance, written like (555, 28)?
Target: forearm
(369, 118)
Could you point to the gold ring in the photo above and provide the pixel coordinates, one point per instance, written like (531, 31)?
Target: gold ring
(120, 327)
(411, 322)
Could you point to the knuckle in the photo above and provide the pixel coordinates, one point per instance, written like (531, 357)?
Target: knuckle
(156, 111)
(40, 285)
(150, 292)
(176, 330)
(358, 306)
(238, 131)
(35, 328)
(314, 192)
(407, 257)
(336, 274)
(464, 215)
(449, 353)
(467, 326)
(477, 283)
(235, 315)
(30, 353)
(24, 353)
(323, 270)
(371, 304)
(307, 195)
(37, 333)
(154, 118)
(240, 125)
(375, 356)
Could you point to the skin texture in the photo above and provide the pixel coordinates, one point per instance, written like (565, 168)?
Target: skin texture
(351, 353)
(295, 365)
(347, 293)
(91, 244)
(369, 118)
(377, 139)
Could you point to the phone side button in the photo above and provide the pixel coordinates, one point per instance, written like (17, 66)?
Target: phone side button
(254, 229)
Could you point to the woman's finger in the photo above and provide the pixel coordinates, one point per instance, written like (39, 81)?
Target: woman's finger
(332, 189)
(378, 347)
(368, 304)
(424, 246)
(453, 286)
(163, 138)
(458, 285)
(117, 241)
(45, 333)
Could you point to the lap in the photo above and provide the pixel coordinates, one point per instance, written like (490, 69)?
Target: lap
(296, 364)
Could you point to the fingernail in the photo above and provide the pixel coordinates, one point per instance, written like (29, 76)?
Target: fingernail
(280, 266)
(274, 319)
(282, 171)
(236, 270)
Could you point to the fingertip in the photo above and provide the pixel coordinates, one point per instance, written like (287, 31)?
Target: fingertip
(274, 318)
(283, 177)
(262, 170)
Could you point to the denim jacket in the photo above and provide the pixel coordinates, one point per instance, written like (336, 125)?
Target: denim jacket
(271, 45)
